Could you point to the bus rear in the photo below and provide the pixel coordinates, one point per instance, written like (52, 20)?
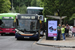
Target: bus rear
(37, 10)
(7, 25)
(28, 27)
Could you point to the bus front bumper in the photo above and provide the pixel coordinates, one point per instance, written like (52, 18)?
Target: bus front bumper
(26, 37)
(5, 32)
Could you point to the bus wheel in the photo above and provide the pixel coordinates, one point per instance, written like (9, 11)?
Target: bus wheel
(18, 38)
(38, 35)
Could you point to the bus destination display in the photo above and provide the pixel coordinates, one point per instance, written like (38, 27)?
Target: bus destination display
(27, 17)
(7, 17)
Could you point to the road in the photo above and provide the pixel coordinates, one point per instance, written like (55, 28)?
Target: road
(10, 43)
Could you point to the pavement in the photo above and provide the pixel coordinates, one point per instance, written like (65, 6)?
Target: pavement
(68, 43)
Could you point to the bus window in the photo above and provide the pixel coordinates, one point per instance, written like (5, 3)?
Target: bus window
(32, 25)
(35, 11)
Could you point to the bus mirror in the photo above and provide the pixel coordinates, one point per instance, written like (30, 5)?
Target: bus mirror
(40, 21)
(14, 20)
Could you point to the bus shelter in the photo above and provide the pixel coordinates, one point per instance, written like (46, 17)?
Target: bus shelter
(52, 27)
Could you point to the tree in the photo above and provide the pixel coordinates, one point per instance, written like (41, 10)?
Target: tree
(4, 6)
(18, 4)
(42, 3)
(36, 3)
(72, 17)
(63, 7)
(23, 9)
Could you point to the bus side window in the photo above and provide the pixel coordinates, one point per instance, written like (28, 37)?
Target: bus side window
(32, 25)
(37, 25)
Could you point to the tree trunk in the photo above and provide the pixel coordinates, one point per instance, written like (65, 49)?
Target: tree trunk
(61, 20)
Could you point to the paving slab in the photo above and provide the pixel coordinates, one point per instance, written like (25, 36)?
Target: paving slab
(69, 42)
(67, 48)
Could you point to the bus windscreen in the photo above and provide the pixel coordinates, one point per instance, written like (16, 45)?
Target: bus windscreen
(28, 25)
(7, 23)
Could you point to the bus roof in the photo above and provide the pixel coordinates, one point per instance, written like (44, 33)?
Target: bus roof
(8, 15)
(34, 7)
(29, 14)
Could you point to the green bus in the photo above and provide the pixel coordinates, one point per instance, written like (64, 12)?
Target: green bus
(7, 23)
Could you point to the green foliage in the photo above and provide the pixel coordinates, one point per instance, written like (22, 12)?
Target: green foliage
(36, 3)
(72, 17)
(42, 4)
(64, 7)
(20, 5)
(23, 9)
(4, 6)
(17, 9)
(33, 3)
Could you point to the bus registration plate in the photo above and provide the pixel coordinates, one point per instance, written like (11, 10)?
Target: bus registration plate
(7, 32)
(26, 37)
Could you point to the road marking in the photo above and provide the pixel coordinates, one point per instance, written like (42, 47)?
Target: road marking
(40, 37)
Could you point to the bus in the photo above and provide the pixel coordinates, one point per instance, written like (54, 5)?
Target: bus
(7, 23)
(28, 27)
(37, 10)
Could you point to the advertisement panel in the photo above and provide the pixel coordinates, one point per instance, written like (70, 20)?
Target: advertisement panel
(52, 28)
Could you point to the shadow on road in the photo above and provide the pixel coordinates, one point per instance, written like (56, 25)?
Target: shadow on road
(27, 40)
(8, 35)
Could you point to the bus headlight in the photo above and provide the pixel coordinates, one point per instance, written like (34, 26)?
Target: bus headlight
(19, 31)
(36, 32)
(13, 30)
